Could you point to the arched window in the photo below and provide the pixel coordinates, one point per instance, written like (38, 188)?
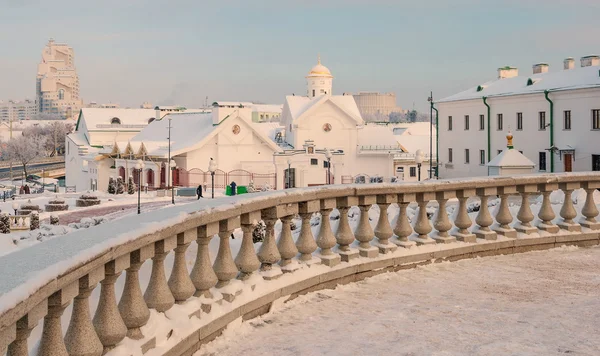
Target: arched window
(61, 94)
(115, 121)
(150, 120)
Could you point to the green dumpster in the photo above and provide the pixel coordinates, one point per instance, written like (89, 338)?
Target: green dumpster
(228, 190)
(242, 189)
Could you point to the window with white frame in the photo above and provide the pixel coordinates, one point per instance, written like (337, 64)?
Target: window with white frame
(519, 121)
(567, 120)
(481, 156)
(542, 120)
(596, 119)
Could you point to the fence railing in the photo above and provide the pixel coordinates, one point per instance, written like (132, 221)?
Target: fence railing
(67, 269)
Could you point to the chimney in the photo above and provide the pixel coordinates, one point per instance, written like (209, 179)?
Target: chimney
(569, 63)
(540, 68)
(507, 72)
(590, 61)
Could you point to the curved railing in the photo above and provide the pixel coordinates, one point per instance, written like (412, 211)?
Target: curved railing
(40, 282)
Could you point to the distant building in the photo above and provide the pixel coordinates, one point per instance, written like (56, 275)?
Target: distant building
(266, 113)
(18, 110)
(375, 106)
(95, 105)
(146, 105)
(57, 82)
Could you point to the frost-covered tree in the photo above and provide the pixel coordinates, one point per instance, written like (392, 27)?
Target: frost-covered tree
(54, 220)
(120, 187)
(35, 221)
(4, 224)
(25, 149)
(259, 232)
(55, 134)
(111, 186)
(130, 185)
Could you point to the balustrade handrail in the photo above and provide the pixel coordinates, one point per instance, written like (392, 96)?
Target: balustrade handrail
(42, 274)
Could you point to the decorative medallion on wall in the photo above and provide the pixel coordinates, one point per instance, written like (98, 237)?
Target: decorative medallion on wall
(236, 129)
(327, 127)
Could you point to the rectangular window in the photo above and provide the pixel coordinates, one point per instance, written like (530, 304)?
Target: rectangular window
(449, 155)
(466, 122)
(449, 123)
(596, 119)
(413, 171)
(542, 161)
(314, 162)
(467, 158)
(519, 121)
(567, 120)
(481, 156)
(482, 122)
(542, 120)
(500, 122)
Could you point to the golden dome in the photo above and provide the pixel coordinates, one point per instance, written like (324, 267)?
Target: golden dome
(320, 70)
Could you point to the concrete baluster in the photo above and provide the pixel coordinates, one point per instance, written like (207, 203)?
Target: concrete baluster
(285, 244)
(383, 229)
(590, 211)
(52, 342)
(364, 232)
(246, 260)
(81, 338)
(422, 226)
(567, 211)
(158, 296)
(306, 243)
(180, 282)
(224, 265)
(268, 254)
(503, 215)
(484, 219)
(23, 329)
(203, 276)
(108, 322)
(344, 235)
(403, 229)
(325, 239)
(132, 305)
(461, 218)
(442, 223)
(546, 214)
(524, 215)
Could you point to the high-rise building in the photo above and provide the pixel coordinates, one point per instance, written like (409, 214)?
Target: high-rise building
(57, 82)
(18, 110)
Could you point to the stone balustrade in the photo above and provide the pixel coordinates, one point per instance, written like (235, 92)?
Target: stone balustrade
(37, 286)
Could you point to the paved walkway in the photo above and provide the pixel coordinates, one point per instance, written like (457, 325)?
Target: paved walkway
(538, 303)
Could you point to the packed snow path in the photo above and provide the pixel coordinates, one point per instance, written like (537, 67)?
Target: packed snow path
(538, 303)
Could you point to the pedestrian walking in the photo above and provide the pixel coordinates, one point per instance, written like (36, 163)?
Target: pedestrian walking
(199, 191)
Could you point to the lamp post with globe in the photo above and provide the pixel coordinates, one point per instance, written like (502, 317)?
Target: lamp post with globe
(140, 167)
(419, 160)
(212, 167)
(15, 207)
(289, 173)
(173, 165)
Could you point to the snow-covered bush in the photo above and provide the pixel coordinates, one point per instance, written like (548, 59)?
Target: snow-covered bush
(4, 223)
(34, 223)
(259, 232)
(54, 220)
(111, 186)
(130, 185)
(57, 205)
(265, 188)
(250, 188)
(315, 219)
(87, 200)
(293, 225)
(120, 186)
(88, 222)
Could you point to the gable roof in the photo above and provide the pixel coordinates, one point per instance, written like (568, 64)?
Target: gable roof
(511, 158)
(376, 135)
(99, 119)
(577, 78)
(299, 106)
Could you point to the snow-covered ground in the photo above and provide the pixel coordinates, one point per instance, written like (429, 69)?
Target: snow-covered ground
(538, 303)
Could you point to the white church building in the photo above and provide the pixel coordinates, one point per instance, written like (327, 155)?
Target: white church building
(321, 138)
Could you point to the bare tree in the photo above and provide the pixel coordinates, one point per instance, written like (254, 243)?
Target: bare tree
(25, 149)
(54, 133)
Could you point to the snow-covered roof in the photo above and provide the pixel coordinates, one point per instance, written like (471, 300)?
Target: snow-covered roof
(269, 129)
(376, 135)
(78, 138)
(511, 158)
(577, 78)
(233, 103)
(412, 143)
(267, 108)
(299, 105)
(101, 119)
(413, 128)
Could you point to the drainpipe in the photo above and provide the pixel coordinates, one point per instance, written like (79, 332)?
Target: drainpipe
(546, 92)
(489, 133)
(437, 144)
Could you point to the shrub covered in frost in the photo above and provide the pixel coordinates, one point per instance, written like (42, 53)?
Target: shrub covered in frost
(259, 232)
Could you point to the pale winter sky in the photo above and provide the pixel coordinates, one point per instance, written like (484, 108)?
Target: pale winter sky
(180, 51)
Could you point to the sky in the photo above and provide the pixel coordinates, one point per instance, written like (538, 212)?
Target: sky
(179, 52)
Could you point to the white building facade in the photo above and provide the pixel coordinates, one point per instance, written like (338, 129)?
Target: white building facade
(555, 117)
(57, 82)
(18, 110)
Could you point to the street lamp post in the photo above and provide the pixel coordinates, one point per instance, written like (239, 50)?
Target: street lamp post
(328, 156)
(172, 164)
(430, 99)
(212, 167)
(289, 175)
(419, 160)
(140, 167)
(43, 181)
(15, 207)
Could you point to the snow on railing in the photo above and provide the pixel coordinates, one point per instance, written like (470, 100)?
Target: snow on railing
(39, 282)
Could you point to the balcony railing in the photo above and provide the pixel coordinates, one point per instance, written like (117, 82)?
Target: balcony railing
(38, 283)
